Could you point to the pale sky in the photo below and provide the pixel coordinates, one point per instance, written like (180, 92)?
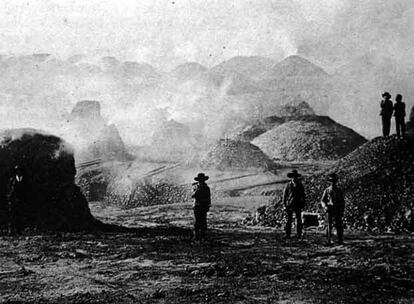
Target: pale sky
(163, 32)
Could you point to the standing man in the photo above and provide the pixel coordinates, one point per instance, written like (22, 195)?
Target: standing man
(386, 113)
(399, 113)
(15, 198)
(202, 203)
(334, 204)
(294, 202)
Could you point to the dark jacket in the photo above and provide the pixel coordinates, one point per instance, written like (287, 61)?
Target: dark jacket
(201, 195)
(16, 189)
(333, 199)
(399, 109)
(386, 108)
(294, 195)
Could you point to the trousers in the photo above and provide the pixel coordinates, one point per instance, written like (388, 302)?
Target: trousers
(200, 225)
(386, 125)
(298, 215)
(400, 126)
(335, 215)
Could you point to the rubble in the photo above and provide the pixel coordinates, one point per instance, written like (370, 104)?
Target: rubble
(141, 194)
(378, 182)
(52, 201)
(229, 155)
(308, 138)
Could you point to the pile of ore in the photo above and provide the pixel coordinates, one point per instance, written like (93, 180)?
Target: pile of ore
(92, 136)
(51, 200)
(308, 138)
(143, 194)
(287, 112)
(378, 182)
(230, 155)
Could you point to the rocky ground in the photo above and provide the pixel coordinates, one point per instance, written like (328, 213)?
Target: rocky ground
(154, 260)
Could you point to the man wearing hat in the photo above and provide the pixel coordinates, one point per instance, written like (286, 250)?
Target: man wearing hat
(386, 113)
(399, 114)
(334, 204)
(202, 203)
(294, 201)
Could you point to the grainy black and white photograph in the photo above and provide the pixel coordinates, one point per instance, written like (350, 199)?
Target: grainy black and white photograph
(207, 151)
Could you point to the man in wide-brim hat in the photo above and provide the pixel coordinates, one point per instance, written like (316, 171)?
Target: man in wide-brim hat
(202, 203)
(334, 204)
(386, 113)
(294, 202)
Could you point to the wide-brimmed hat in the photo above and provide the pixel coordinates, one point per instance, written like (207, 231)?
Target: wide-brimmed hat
(293, 173)
(386, 94)
(332, 177)
(201, 177)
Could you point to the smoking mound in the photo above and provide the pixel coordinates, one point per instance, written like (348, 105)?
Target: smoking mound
(51, 199)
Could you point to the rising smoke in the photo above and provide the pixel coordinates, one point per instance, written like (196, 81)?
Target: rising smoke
(365, 46)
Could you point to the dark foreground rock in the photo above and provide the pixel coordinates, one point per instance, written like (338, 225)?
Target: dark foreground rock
(52, 200)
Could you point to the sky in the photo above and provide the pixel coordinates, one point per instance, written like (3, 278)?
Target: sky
(366, 46)
(163, 32)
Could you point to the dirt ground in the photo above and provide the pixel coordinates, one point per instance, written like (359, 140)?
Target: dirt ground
(155, 261)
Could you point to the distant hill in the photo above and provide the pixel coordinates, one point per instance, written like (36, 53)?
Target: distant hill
(91, 135)
(188, 71)
(131, 69)
(295, 66)
(252, 66)
(305, 138)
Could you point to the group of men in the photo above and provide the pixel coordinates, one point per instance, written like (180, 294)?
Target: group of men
(332, 202)
(387, 109)
(294, 201)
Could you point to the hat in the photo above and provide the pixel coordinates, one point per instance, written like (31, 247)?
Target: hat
(293, 173)
(201, 177)
(386, 94)
(332, 177)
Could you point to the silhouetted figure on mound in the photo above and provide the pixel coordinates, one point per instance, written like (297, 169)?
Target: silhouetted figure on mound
(399, 113)
(202, 203)
(15, 195)
(294, 202)
(334, 204)
(386, 113)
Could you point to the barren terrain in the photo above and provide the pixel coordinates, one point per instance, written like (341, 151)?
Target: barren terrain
(154, 260)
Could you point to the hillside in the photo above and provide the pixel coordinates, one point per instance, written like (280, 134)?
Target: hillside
(285, 113)
(378, 180)
(233, 155)
(188, 71)
(306, 138)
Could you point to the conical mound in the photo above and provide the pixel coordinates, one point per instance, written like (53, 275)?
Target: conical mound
(47, 197)
(308, 138)
(230, 154)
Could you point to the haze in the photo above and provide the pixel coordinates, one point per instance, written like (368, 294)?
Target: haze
(366, 47)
